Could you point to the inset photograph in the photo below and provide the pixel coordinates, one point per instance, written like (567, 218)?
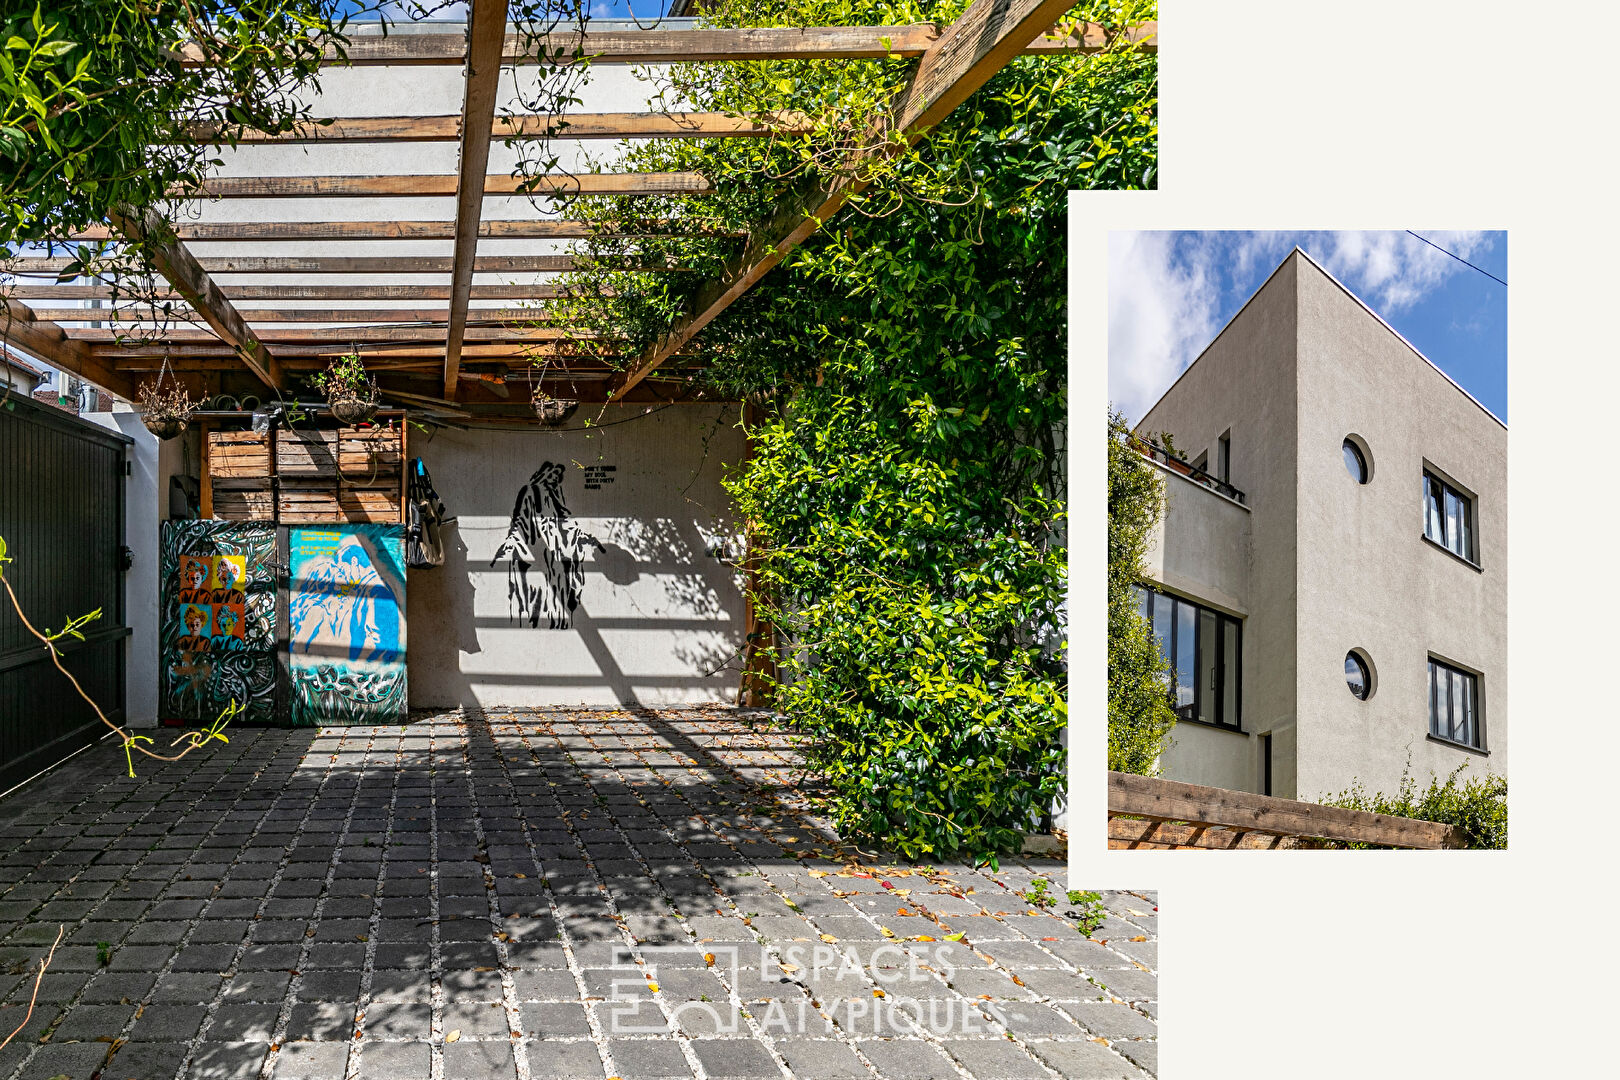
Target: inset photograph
(1307, 539)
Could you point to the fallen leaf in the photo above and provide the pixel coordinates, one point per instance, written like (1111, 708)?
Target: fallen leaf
(453, 1036)
(958, 936)
(922, 937)
(708, 958)
(1017, 980)
(818, 873)
(1139, 937)
(829, 939)
(652, 986)
(878, 993)
(483, 969)
(520, 875)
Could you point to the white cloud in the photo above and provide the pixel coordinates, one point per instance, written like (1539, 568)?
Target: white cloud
(1394, 270)
(1161, 313)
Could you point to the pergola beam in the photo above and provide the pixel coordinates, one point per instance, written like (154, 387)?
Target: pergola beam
(355, 264)
(340, 335)
(408, 230)
(44, 340)
(485, 37)
(980, 43)
(190, 279)
(297, 315)
(409, 185)
(623, 125)
(308, 292)
(666, 46)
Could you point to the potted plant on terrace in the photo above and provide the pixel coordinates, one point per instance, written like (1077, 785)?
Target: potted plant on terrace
(350, 391)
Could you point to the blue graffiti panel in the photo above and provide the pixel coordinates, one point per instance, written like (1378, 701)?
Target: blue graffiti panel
(346, 624)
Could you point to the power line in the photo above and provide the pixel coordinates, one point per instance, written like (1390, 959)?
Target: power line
(1459, 258)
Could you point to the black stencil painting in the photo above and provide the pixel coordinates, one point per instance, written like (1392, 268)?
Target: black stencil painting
(547, 551)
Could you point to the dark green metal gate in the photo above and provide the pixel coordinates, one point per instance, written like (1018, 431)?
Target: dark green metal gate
(62, 515)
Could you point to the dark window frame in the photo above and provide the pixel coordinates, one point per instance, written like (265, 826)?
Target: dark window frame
(1366, 676)
(1362, 476)
(1223, 666)
(1472, 680)
(1470, 517)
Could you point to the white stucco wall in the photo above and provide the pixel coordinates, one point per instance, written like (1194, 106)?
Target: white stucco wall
(657, 617)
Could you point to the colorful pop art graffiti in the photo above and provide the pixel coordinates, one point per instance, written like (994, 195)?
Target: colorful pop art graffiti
(218, 596)
(346, 624)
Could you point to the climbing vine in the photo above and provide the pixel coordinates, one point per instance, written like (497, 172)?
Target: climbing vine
(905, 485)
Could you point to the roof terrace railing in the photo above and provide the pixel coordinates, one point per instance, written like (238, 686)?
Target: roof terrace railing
(1155, 452)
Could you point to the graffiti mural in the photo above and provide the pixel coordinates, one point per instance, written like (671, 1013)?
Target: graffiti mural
(346, 624)
(218, 607)
(547, 551)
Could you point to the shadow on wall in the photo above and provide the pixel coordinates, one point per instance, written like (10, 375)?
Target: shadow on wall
(658, 620)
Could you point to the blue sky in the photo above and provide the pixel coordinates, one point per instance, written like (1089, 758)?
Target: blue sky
(1170, 293)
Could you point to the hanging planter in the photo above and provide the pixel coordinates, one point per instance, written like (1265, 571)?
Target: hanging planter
(551, 411)
(351, 394)
(165, 412)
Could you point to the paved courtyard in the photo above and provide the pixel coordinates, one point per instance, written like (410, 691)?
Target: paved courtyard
(535, 895)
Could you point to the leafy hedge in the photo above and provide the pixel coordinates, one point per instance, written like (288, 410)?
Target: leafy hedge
(1477, 803)
(904, 485)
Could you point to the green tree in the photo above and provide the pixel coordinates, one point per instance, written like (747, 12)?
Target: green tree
(102, 101)
(1140, 715)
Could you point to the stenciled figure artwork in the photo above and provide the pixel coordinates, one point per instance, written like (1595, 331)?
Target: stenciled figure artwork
(346, 624)
(543, 538)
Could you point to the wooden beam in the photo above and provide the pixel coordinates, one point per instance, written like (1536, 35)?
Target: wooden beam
(307, 292)
(980, 43)
(624, 125)
(343, 335)
(297, 315)
(132, 356)
(1195, 804)
(44, 340)
(191, 280)
(664, 45)
(486, 34)
(410, 230)
(668, 45)
(348, 264)
(408, 185)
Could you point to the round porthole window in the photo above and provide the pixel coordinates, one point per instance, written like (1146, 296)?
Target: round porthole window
(1355, 461)
(1358, 674)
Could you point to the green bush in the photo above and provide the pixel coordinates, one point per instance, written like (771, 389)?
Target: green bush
(1477, 804)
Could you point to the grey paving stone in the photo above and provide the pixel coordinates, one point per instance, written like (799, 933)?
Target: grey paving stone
(319, 1061)
(258, 986)
(398, 1020)
(391, 1061)
(479, 1061)
(76, 1061)
(242, 1023)
(647, 1060)
(1142, 1052)
(329, 985)
(168, 1023)
(321, 1021)
(1085, 1060)
(907, 1060)
(995, 1059)
(566, 1061)
(228, 1061)
(1110, 1020)
(827, 1059)
(186, 987)
(735, 1057)
(141, 1061)
(546, 1020)
(1032, 1019)
(476, 1018)
(88, 1022)
(1130, 984)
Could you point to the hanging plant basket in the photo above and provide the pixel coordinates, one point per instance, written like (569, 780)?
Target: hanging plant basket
(551, 411)
(353, 410)
(351, 393)
(164, 427)
(165, 412)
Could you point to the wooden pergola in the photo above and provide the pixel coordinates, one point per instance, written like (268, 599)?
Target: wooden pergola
(302, 282)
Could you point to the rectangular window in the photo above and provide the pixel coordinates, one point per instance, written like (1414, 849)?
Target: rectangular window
(1448, 517)
(1454, 705)
(1223, 459)
(1204, 650)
